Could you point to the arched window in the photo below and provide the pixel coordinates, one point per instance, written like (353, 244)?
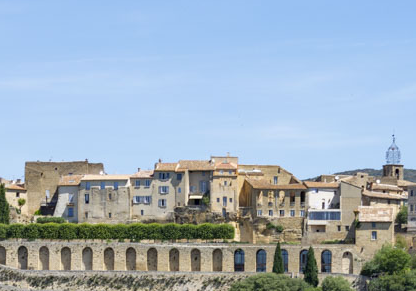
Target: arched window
(303, 258)
(261, 261)
(285, 258)
(239, 260)
(326, 261)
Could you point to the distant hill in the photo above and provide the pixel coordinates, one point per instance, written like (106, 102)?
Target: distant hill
(409, 174)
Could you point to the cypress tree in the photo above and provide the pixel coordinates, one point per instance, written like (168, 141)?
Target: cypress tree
(4, 206)
(311, 269)
(278, 267)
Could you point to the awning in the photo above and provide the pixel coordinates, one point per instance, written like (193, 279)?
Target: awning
(195, 196)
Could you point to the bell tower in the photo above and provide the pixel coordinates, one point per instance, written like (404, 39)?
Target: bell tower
(393, 168)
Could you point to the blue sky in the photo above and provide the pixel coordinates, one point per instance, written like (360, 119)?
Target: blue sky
(314, 86)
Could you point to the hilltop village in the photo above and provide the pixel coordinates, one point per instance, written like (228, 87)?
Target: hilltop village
(347, 218)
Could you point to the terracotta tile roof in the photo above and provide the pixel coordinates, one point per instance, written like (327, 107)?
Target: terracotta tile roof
(15, 187)
(143, 174)
(263, 184)
(168, 167)
(376, 186)
(375, 214)
(383, 195)
(71, 180)
(105, 177)
(321, 185)
(194, 165)
(226, 166)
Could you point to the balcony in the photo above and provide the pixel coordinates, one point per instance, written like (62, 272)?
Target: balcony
(321, 217)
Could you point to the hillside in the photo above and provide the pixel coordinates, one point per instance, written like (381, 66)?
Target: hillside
(409, 174)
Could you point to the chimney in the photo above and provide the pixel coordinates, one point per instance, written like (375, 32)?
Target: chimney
(138, 169)
(160, 160)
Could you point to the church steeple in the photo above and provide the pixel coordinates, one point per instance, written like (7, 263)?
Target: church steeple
(393, 153)
(392, 168)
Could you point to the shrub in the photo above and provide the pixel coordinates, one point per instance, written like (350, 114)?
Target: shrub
(67, 231)
(31, 231)
(15, 230)
(311, 269)
(49, 230)
(84, 231)
(270, 282)
(335, 284)
(278, 228)
(189, 231)
(170, 231)
(50, 219)
(4, 206)
(38, 212)
(401, 217)
(3, 231)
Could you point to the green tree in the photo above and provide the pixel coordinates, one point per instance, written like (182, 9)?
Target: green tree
(4, 206)
(396, 282)
(278, 267)
(400, 242)
(335, 284)
(311, 269)
(388, 260)
(401, 217)
(270, 282)
(21, 202)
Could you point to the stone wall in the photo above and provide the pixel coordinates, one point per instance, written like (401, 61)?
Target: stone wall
(167, 257)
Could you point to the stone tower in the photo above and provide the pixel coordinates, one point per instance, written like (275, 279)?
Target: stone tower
(393, 168)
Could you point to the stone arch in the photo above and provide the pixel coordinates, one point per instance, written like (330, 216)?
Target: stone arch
(109, 259)
(347, 263)
(131, 259)
(217, 260)
(66, 259)
(2, 256)
(87, 259)
(285, 258)
(303, 258)
(326, 261)
(22, 255)
(261, 261)
(239, 260)
(43, 258)
(152, 259)
(174, 260)
(195, 260)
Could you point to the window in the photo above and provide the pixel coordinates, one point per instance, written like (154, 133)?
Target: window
(259, 213)
(116, 185)
(71, 198)
(179, 190)
(192, 189)
(163, 189)
(303, 260)
(109, 196)
(87, 198)
(203, 173)
(109, 215)
(225, 183)
(147, 183)
(373, 225)
(282, 213)
(88, 186)
(142, 199)
(326, 262)
(347, 228)
(141, 212)
(147, 199)
(221, 172)
(285, 257)
(374, 235)
(178, 177)
(137, 183)
(203, 186)
(302, 213)
(270, 212)
(224, 201)
(388, 201)
(230, 172)
(231, 200)
(292, 213)
(339, 227)
(70, 212)
(86, 214)
(102, 185)
(17, 194)
(411, 207)
(162, 203)
(164, 176)
(218, 200)
(411, 192)
(47, 194)
(325, 215)
(275, 180)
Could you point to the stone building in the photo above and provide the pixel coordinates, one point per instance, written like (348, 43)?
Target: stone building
(14, 192)
(67, 204)
(42, 179)
(104, 198)
(411, 210)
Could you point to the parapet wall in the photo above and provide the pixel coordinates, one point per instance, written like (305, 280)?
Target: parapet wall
(184, 257)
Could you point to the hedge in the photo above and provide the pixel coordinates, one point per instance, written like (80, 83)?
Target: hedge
(49, 219)
(134, 232)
